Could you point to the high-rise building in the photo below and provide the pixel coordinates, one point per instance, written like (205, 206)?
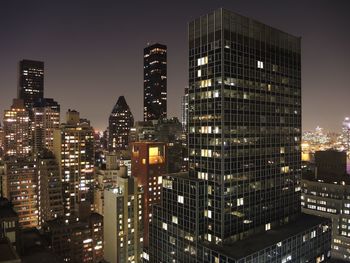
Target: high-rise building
(2, 141)
(74, 151)
(120, 122)
(345, 136)
(155, 82)
(50, 202)
(31, 82)
(123, 220)
(17, 130)
(46, 119)
(148, 165)
(20, 184)
(243, 199)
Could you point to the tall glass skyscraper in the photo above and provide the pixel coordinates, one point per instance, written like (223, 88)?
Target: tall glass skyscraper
(155, 82)
(240, 200)
(31, 81)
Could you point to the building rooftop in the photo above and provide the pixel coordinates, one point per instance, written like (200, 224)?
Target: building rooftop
(328, 179)
(251, 245)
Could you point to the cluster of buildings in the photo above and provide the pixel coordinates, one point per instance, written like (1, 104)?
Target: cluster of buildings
(222, 185)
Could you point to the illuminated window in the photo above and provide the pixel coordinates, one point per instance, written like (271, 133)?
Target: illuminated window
(260, 64)
(202, 61)
(180, 199)
(267, 226)
(155, 155)
(174, 219)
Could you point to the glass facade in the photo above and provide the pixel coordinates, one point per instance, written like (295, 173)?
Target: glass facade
(244, 122)
(240, 201)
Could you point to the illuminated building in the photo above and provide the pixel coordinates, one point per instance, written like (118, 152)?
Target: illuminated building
(50, 202)
(123, 220)
(120, 122)
(74, 151)
(148, 164)
(155, 82)
(76, 239)
(2, 141)
(240, 201)
(17, 130)
(326, 193)
(31, 82)
(46, 119)
(20, 186)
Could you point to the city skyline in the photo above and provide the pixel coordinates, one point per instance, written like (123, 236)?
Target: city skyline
(86, 50)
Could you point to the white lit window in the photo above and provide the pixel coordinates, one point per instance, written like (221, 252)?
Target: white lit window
(260, 64)
(267, 226)
(174, 219)
(180, 199)
(199, 73)
(165, 226)
(240, 201)
(202, 61)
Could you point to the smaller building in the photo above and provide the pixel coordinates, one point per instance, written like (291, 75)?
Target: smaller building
(9, 225)
(76, 239)
(326, 193)
(123, 220)
(8, 253)
(148, 163)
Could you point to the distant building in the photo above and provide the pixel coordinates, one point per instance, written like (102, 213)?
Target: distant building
(2, 141)
(50, 200)
(148, 164)
(74, 151)
(326, 193)
(46, 119)
(170, 132)
(77, 239)
(17, 130)
(20, 186)
(123, 220)
(120, 122)
(31, 82)
(155, 82)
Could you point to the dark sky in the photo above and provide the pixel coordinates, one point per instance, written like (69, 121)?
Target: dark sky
(93, 50)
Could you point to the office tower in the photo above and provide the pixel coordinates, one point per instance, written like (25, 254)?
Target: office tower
(46, 119)
(17, 130)
(31, 82)
(155, 82)
(120, 122)
(8, 221)
(50, 202)
(184, 110)
(244, 145)
(148, 165)
(326, 193)
(74, 151)
(123, 224)
(20, 187)
(76, 239)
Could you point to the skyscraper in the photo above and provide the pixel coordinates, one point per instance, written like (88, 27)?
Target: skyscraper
(120, 122)
(244, 152)
(74, 151)
(17, 130)
(155, 82)
(184, 110)
(46, 118)
(31, 81)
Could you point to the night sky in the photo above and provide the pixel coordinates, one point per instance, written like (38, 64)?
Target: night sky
(93, 50)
